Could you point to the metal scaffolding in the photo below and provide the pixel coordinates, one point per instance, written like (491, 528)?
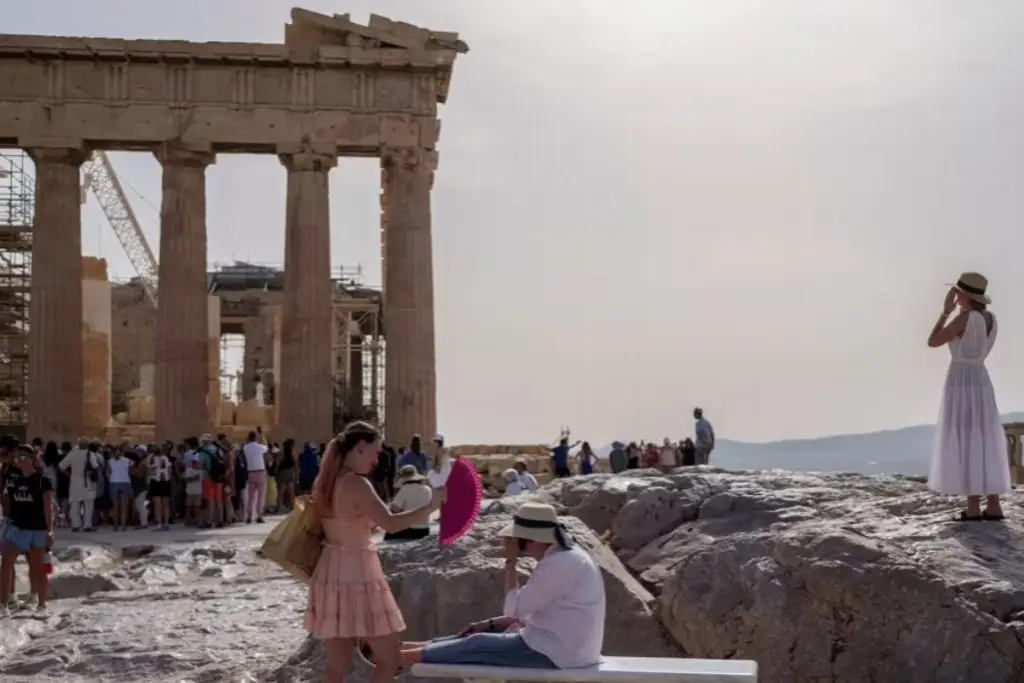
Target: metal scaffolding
(358, 357)
(17, 208)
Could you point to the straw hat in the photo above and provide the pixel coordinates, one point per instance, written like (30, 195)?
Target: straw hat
(538, 522)
(407, 474)
(973, 285)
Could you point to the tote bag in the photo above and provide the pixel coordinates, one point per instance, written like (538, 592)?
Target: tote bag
(295, 544)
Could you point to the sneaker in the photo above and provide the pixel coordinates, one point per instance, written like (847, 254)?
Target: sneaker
(259, 520)
(165, 527)
(4, 612)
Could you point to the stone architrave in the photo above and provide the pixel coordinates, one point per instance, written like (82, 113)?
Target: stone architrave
(410, 383)
(55, 390)
(304, 394)
(182, 352)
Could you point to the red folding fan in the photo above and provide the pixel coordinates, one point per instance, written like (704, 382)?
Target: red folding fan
(462, 504)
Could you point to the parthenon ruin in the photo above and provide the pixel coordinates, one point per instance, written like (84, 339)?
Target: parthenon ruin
(333, 88)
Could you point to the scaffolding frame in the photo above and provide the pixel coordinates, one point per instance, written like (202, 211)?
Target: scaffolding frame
(17, 211)
(357, 324)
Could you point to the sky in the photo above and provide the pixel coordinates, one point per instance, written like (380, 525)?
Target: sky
(750, 206)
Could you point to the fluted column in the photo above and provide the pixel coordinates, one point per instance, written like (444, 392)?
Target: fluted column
(182, 351)
(410, 381)
(55, 390)
(305, 389)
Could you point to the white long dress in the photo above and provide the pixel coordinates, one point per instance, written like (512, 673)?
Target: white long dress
(970, 457)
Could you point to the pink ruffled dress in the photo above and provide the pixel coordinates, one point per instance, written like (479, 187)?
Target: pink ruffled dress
(348, 594)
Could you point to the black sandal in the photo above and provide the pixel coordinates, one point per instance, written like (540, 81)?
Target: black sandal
(992, 518)
(365, 653)
(964, 517)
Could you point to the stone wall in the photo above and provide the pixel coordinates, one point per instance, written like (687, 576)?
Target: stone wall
(133, 340)
(96, 344)
(259, 352)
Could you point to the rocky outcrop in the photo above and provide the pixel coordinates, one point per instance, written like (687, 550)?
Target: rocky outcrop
(820, 578)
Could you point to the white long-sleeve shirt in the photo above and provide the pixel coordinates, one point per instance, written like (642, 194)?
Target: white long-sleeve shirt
(561, 608)
(81, 487)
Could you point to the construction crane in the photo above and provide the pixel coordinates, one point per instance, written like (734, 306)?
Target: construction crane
(100, 177)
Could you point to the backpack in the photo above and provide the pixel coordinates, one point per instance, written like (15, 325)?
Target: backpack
(217, 468)
(241, 472)
(92, 472)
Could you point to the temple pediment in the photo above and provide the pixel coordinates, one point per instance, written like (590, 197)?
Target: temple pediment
(312, 29)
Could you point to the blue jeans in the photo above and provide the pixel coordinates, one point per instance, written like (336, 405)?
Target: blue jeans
(485, 649)
(24, 539)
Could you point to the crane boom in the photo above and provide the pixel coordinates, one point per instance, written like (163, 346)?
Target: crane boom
(103, 181)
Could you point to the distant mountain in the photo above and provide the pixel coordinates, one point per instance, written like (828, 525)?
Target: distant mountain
(901, 451)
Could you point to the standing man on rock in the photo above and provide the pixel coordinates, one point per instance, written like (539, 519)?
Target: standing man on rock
(705, 438)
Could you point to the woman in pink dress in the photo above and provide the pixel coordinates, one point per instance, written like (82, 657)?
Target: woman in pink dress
(349, 598)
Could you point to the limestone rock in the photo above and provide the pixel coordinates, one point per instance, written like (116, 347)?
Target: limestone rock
(821, 577)
(79, 585)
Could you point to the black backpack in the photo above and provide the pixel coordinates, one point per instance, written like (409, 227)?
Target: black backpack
(241, 472)
(217, 468)
(92, 473)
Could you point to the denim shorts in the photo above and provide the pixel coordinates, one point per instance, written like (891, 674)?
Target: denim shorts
(485, 649)
(120, 490)
(24, 539)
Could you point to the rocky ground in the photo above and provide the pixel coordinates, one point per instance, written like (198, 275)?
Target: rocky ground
(820, 578)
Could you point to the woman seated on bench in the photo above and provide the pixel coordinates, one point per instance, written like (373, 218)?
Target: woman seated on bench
(555, 621)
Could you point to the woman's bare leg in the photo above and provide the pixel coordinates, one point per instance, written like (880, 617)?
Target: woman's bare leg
(339, 659)
(8, 556)
(993, 507)
(411, 656)
(387, 658)
(973, 506)
(40, 582)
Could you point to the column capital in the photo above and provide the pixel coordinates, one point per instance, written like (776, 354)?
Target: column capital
(56, 152)
(175, 154)
(308, 157)
(409, 158)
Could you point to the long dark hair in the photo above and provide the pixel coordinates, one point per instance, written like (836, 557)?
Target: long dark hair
(51, 456)
(337, 452)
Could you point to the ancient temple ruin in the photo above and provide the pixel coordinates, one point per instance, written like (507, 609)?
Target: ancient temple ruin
(332, 89)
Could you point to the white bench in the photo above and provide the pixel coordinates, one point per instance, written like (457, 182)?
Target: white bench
(610, 670)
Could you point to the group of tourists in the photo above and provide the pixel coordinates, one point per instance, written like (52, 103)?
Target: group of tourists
(637, 455)
(201, 481)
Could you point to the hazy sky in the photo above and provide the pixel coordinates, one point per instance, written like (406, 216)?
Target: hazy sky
(646, 206)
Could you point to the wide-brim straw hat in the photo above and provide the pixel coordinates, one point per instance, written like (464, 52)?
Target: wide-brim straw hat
(539, 523)
(408, 474)
(973, 285)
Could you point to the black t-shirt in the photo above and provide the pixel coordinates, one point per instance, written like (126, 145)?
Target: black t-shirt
(26, 496)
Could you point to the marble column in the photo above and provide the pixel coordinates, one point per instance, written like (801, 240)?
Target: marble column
(55, 390)
(304, 395)
(410, 381)
(182, 350)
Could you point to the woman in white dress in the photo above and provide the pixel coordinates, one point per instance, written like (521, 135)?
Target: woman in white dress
(970, 456)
